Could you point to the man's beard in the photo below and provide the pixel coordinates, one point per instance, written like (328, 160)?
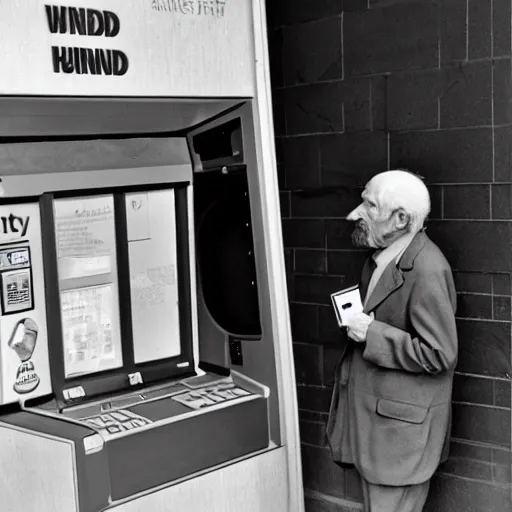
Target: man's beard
(361, 234)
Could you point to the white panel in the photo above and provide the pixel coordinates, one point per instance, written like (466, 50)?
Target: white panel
(258, 484)
(37, 473)
(37, 184)
(92, 155)
(93, 116)
(175, 48)
(151, 223)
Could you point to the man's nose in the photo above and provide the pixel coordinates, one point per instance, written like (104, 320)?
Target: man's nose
(355, 214)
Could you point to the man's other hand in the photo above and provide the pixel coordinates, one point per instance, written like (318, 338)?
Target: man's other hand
(357, 326)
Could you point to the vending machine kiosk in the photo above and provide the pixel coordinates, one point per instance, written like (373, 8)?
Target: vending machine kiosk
(145, 348)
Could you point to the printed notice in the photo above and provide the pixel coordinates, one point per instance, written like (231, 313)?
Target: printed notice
(16, 291)
(85, 236)
(90, 328)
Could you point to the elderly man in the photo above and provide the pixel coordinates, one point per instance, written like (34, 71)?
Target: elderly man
(391, 406)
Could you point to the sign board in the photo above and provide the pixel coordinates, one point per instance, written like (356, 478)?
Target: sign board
(137, 48)
(24, 364)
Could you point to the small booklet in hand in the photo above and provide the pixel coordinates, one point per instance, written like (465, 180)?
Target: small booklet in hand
(346, 303)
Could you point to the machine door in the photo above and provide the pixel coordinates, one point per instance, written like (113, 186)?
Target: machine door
(225, 251)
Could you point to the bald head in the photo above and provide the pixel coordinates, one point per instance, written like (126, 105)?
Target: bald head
(402, 189)
(394, 203)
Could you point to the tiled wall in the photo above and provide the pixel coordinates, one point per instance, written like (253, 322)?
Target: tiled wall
(361, 86)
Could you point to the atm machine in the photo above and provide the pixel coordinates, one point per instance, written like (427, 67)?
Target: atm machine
(145, 347)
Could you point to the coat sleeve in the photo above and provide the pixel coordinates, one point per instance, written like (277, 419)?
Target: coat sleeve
(431, 346)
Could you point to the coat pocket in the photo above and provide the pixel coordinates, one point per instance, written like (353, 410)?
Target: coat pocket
(402, 411)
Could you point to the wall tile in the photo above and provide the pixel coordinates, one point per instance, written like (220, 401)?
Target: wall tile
(308, 364)
(312, 432)
(388, 39)
(484, 347)
(284, 201)
(502, 393)
(357, 106)
(312, 51)
(315, 108)
(320, 473)
(502, 84)
(316, 289)
(502, 460)
(501, 306)
(432, 154)
(319, 504)
(473, 390)
(314, 398)
(355, 5)
(472, 282)
(339, 233)
(302, 162)
(353, 158)
(332, 354)
(278, 112)
(436, 202)
(353, 488)
(316, 416)
(325, 203)
(501, 28)
(503, 153)
(501, 284)
(501, 473)
(474, 246)
(483, 424)
(303, 233)
(412, 100)
(453, 30)
(346, 263)
(310, 262)
(502, 203)
(379, 88)
(467, 202)
(479, 28)
(453, 494)
(304, 322)
(469, 450)
(275, 46)
(329, 332)
(468, 468)
(466, 98)
(299, 11)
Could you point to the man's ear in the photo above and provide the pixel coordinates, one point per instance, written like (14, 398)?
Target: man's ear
(402, 219)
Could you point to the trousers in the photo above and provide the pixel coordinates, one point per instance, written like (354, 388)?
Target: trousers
(384, 498)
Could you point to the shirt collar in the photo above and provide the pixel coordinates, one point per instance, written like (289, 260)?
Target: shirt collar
(393, 251)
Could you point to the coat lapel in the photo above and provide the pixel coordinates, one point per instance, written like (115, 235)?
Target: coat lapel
(390, 280)
(366, 274)
(392, 277)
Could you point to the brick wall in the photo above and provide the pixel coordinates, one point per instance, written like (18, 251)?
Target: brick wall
(361, 86)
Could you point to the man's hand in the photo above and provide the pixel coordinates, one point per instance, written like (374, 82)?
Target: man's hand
(357, 326)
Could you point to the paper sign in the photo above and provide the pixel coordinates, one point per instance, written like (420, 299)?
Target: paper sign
(137, 217)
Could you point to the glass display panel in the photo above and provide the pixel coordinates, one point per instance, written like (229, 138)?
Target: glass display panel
(87, 265)
(151, 228)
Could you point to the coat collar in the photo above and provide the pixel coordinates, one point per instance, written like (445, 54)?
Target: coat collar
(392, 278)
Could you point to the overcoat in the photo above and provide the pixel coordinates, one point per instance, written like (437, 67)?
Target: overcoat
(390, 413)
